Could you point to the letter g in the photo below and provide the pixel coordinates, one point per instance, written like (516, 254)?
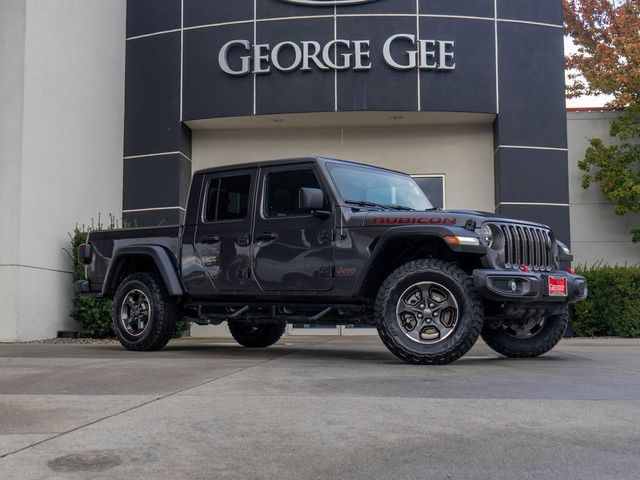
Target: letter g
(223, 58)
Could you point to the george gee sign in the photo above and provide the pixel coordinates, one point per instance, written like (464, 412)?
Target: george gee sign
(400, 51)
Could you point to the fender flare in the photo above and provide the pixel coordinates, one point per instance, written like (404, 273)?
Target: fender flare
(427, 231)
(160, 256)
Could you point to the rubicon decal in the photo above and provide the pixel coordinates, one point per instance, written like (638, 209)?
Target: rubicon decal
(415, 220)
(324, 3)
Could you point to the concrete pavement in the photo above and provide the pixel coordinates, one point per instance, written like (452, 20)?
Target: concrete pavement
(323, 407)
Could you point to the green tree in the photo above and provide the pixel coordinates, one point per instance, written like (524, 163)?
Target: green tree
(607, 33)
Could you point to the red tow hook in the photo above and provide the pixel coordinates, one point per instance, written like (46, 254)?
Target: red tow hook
(571, 271)
(524, 268)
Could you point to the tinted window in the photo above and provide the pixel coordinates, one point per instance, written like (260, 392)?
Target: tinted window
(228, 198)
(283, 191)
(433, 187)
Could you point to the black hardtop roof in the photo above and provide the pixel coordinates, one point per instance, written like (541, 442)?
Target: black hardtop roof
(288, 161)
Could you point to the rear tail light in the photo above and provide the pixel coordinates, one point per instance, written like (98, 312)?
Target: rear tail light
(85, 254)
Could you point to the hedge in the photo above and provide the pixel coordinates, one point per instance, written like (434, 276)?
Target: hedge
(613, 305)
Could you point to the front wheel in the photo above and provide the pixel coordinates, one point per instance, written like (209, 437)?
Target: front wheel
(526, 338)
(256, 336)
(429, 312)
(144, 314)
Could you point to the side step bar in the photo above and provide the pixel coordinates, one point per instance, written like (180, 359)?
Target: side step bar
(214, 314)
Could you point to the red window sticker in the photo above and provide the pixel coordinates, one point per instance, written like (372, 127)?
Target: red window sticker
(558, 286)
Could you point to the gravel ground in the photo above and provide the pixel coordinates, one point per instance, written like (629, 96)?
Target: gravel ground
(77, 341)
(110, 341)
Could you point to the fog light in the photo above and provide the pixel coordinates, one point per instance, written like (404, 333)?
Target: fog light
(513, 285)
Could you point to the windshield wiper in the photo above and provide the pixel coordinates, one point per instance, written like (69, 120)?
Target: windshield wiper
(402, 207)
(366, 203)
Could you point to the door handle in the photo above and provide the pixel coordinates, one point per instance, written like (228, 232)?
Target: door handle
(266, 236)
(211, 239)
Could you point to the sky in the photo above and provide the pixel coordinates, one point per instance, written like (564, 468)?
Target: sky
(586, 101)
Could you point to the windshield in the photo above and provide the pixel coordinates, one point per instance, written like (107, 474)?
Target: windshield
(370, 185)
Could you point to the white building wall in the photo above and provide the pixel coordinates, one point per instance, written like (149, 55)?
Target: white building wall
(12, 34)
(464, 153)
(597, 233)
(70, 165)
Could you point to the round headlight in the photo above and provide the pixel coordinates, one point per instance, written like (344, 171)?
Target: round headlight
(486, 235)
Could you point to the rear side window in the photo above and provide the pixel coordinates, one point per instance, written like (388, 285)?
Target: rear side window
(283, 191)
(228, 198)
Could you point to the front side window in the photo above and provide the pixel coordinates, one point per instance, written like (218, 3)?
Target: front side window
(283, 190)
(366, 184)
(228, 198)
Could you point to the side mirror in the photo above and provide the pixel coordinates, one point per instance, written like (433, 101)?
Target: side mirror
(312, 200)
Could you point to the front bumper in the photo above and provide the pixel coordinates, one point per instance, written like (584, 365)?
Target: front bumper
(525, 287)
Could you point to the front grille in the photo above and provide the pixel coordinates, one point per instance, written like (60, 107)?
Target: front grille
(530, 246)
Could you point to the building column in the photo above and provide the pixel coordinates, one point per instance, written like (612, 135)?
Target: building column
(157, 145)
(12, 42)
(61, 93)
(531, 164)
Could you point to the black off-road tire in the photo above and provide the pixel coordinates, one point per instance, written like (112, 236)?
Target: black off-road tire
(163, 316)
(470, 319)
(257, 336)
(527, 347)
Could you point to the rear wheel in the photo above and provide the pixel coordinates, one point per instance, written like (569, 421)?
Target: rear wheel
(428, 312)
(144, 314)
(526, 338)
(257, 336)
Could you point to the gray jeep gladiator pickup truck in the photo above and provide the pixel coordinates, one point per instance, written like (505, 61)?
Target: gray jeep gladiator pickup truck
(316, 240)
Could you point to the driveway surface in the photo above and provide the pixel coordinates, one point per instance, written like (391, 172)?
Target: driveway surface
(317, 408)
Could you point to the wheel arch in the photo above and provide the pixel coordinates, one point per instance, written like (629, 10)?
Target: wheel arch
(404, 244)
(143, 258)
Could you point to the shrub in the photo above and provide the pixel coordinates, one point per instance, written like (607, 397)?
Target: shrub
(613, 305)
